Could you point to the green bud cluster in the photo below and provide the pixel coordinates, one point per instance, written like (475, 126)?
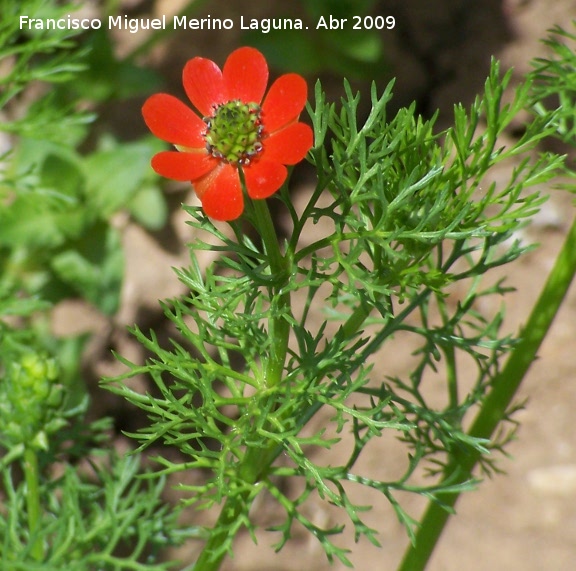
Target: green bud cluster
(234, 132)
(30, 399)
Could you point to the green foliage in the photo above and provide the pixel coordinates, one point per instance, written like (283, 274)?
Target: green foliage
(548, 85)
(412, 213)
(555, 83)
(64, 503)
(49, 57)
(106, 519)
(56, 203)
(94, 515)
(54, 226)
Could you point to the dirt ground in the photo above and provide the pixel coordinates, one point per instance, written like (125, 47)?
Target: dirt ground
(524, 520)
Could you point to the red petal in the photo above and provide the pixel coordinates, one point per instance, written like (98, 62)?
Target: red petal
(288, 146)
(221, 194)
(203, 84)
(245, 75)
(183, 166)
(170, 120)
(264, 178)
(284, 102)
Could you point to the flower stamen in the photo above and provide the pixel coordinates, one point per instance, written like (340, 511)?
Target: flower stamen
(234, 132)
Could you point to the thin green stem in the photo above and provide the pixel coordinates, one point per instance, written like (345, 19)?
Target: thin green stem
(352, 325)
(265, 227)
(213, 554)
(256, 461)
(279, 326)
(31, 474)
(450, 355)
(451, 375)
(498, 401)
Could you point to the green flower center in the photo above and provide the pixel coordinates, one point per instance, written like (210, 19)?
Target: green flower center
(234, 132)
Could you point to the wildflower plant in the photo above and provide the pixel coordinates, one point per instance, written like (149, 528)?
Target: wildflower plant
(276, 356)
(279, 353)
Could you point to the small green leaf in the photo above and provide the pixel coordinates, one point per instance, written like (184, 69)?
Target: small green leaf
(148, 207)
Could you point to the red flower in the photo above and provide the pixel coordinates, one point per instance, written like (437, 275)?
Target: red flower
(236, 130)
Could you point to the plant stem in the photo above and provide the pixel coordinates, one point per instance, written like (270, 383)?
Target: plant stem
(279, 326)
(450, 356)
(208, 561)
(256, 461)
(30, 467)
(493, 411)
